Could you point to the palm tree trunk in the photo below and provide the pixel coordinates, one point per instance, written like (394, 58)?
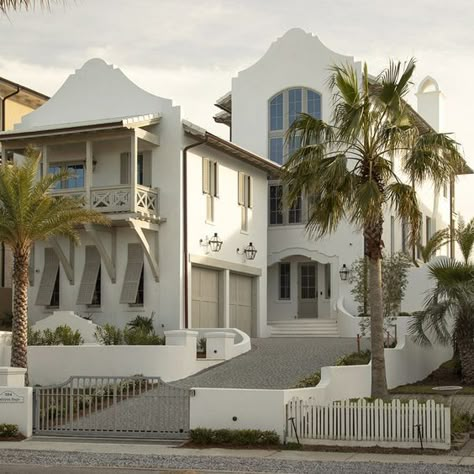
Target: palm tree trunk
(20, 308)
(465, 346)
(379, 378)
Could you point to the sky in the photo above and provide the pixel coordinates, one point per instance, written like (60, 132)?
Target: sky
(189, 50)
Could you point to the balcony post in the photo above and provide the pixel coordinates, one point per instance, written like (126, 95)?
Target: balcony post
(44, 155)
(133, 170)
(88, 170)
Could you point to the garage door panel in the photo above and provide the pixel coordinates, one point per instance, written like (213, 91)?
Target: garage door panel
(241, 303)
(205, 298)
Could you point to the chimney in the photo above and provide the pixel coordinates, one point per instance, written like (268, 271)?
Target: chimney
(430, 103)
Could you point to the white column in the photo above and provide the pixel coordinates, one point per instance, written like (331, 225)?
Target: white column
(44, 154)
(133, 170)
(88, 175)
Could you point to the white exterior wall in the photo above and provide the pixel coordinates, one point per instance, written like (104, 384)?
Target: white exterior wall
(286, 64)
(227, 223)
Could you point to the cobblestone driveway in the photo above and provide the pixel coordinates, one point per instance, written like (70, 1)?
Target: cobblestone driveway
(274, 363)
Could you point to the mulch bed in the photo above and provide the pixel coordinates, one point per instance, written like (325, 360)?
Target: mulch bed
(19, 437)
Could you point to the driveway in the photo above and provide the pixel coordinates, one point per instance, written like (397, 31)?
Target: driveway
(276, 363)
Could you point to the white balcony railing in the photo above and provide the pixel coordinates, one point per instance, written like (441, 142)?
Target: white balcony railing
(118, 199)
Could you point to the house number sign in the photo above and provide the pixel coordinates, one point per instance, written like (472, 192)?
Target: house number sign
(11, 397)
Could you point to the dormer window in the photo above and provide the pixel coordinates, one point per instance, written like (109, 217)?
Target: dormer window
(284, 109)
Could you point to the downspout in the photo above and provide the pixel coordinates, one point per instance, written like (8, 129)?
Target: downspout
(185, 227)
(2, 256)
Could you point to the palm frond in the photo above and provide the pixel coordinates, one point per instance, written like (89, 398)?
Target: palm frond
(435, 242)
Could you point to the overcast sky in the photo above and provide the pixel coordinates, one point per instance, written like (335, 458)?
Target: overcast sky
(189, 50)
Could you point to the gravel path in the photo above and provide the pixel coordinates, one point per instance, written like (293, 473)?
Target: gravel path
(276, 363)
(219, 464)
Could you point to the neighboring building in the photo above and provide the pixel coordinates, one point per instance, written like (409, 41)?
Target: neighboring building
(16, 101)
(303, 274)
(181, 202)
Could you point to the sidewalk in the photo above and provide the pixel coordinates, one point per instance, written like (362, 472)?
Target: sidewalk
(107, 447)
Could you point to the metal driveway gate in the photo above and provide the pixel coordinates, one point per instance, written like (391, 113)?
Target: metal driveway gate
(112, 406)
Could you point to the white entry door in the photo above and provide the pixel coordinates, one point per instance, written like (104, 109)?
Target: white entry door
(308, 290)
(205, 298)
(241, 307)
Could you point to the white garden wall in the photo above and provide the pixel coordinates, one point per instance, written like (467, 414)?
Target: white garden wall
(50, 365)
(265, 409)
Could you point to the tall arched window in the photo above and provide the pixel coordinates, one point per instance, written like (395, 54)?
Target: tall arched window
(283, 109)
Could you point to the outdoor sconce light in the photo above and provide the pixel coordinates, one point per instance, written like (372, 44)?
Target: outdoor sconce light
(214, 243)
(250, 252)
(344, 272)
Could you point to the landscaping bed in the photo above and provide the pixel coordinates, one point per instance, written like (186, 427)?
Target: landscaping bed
(447, 374)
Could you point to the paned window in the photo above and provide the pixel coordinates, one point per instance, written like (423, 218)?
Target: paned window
(276, 196)
(75, 171)
(283, 109)
(284, 281)
(308, 281)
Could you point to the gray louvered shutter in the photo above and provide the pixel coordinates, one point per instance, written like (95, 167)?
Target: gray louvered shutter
(205, 176)
(215, 179)
(124, 168)
(48, 279)
(241, 198)
(146, 168)
(89, 276)
(250, 191)
(133, 272)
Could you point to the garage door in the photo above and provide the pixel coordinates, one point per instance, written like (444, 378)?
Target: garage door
(205, 300)
(241, 303)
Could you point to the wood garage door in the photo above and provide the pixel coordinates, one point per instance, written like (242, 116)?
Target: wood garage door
(205, 300)
(241, 303)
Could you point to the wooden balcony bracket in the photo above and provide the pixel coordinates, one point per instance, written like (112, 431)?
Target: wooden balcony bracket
(108, 258)
(66, 262)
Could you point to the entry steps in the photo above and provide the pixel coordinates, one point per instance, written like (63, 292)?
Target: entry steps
(304, 328)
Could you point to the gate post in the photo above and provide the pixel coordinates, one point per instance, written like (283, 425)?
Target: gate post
(16, 400)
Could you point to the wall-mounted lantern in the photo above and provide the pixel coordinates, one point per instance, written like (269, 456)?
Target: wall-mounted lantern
(344, 272)
(214, 243)
(250, 251)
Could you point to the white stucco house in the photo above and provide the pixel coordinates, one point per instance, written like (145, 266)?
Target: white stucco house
(182, 201)
(189, 209)
(304, 285)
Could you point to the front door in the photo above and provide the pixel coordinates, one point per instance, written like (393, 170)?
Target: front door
(308, 291)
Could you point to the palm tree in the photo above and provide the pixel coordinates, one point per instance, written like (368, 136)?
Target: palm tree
(346, 168)
(448, 315)
(28, 212)
(464, 236)
(435, 242)
(13, 5)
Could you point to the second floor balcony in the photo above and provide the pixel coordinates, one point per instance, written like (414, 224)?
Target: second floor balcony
(118, 199)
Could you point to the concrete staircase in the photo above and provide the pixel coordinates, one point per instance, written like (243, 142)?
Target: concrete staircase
(304, 328)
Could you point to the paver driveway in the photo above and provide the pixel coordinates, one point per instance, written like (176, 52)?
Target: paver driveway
(274, 363)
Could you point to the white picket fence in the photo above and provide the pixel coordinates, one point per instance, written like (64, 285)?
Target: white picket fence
(364, 423)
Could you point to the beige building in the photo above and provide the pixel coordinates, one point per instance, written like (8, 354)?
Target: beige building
(15, 102)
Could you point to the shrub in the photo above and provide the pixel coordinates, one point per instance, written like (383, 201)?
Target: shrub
(8, 430)
(202, 345)
(62, 335)
(140, 337)
(461, 422)
(142, 323)
(355, 358)
(235, 437)
(109, 335)
(310, 381)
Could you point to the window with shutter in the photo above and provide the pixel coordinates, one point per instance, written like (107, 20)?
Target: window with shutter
(131, 281)
(89, 276)
(241, 190)
(48, 279)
